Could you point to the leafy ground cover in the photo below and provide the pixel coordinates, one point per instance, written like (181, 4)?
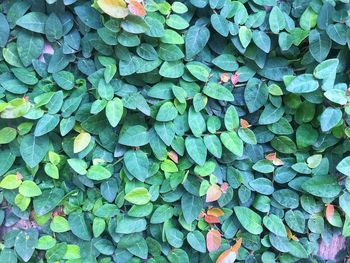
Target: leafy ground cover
(194, 131)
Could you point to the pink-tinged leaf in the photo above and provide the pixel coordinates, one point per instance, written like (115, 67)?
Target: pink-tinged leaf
(47, 50)
(213, 240)
(214, 192)
(173, 156)
(329, 212)
(224, 187)
(235, 78)
(136, 8)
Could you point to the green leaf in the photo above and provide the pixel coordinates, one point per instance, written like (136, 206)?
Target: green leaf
(136, 135)
(255, 95)
(25, 243)
(47, 201)
(196, 149)
(232, 142)
(136, 162)
(167, 112)
(199, 70)
(34, 21)
(29, 189)
(46, 124)
(284, 144)
(326, 68)
(325, 186)
(262, 40)
(343, 166)
(330, 118)
(162, 214)
(138, 196)
(195, 40)
(10, 182)
(33, 149)
(220, 24)
(98, 172)
(128, 225)
(276, 20)
(250, 220)
(304, 83)
(213, 145)
(275, 225)
(196, 122)
(172, 69)
(245, 36)
(114, 111)
(196, 241)
(320, 44)
(59, 224)
(79, 226)
(134, 25)
(29, 46)
(218, 92)
(191, 206)
(4, 30)
(231, 118)
(178, 255)
(7, 135)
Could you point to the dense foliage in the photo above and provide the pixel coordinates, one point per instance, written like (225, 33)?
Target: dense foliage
(195, 131)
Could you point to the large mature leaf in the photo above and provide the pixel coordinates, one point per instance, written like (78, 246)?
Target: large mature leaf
(4, 30)
(136, 162)
(250, 220)
(330, 118)
(322, 186)
(29, 46)
(196, 149)
(79, 226)
(217, 91)
(34, 21)
(25, 243)
(33, 149)
(303, 84)
(196, 38)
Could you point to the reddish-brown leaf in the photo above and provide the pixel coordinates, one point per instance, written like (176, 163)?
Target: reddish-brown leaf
(244, 124)
(329, 212)
(213, 193)
(229, 255)
(272, 157)
(211, 219)
(215, 212)
(136, 8)
(213, 240)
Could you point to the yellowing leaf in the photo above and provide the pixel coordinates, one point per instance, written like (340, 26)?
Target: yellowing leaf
(81, 142)
(213, 193)
(215, 212)
(213, 240)
(114, 8)
(10, 182)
